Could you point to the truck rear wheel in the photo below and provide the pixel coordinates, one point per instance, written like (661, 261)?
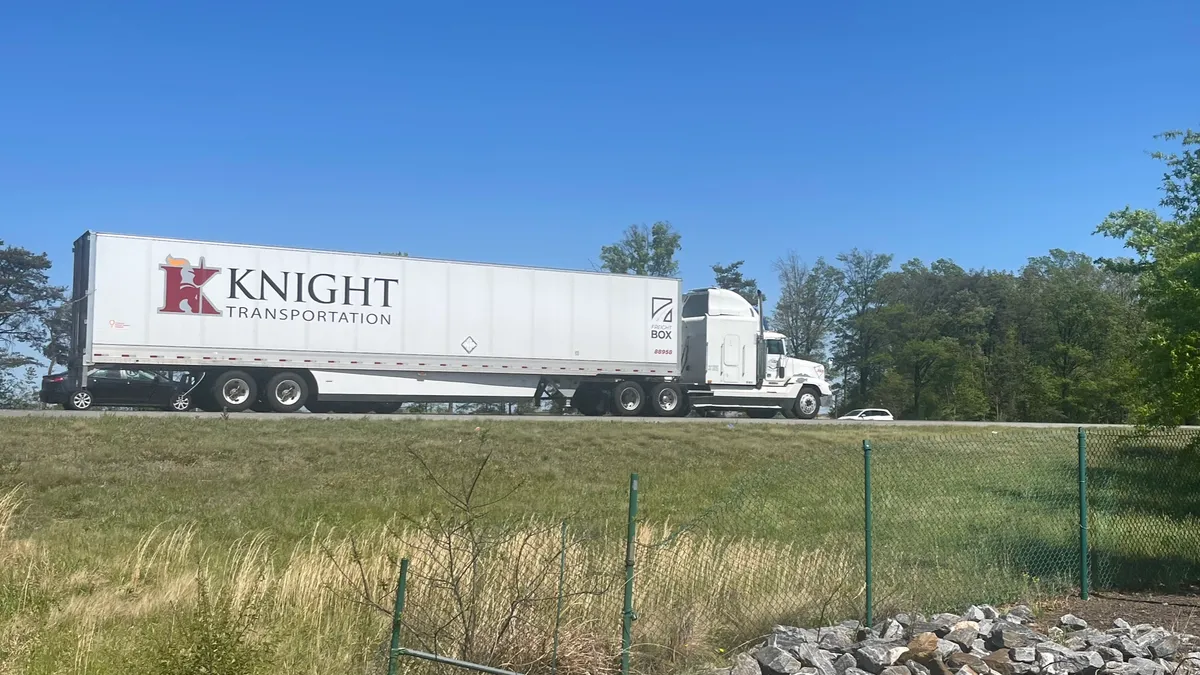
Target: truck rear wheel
(808, 403)
(629, 399)
(234, 391)
(667, 400)
(286, 392)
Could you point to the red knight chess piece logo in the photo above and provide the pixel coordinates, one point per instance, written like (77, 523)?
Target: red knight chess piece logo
(183, 286)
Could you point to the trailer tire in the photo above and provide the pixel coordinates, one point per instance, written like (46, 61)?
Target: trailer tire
(808, 403)
(628, 398)
(234, 391)
(286, 392)
(668, 400)
(590, 401)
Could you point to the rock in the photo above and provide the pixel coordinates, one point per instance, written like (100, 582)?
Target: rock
(990, 613)
(916, 668)
(744, 664)
(1024, 654)
(1169, 666)
(1122, 624)
(873, 657)
(1165, 648)
(1146, 666)
(793, 635)
(812, 657)
(986, 626)
(892, 630)
(895, 670)
(946, 649)
(974, 613)
(966, 670)
(835, 640)
(1000, 661)
(979, 648)
(809, 671)
(939, 627)
(1110, 654)
(1121, 668)
(948, 619)
(844, 663)
(962, 659)
(1131, 649)
(1007, 635)
(1142, 628)
(775, 661)
(1072, 622)
(1151, 636)
(1069, 662)
(963, 637)
(1025, 669)
(905, 619)
(1021, 613)
(1104, 640)
(856, 671)
(923, 646)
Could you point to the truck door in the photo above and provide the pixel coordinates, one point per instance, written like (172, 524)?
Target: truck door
(731, 359)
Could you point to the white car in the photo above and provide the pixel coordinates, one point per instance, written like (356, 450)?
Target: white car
(869, 415)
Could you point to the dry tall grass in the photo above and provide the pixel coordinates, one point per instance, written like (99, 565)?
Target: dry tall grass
(322, 607)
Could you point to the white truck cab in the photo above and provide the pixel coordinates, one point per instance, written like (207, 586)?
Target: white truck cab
(730, 362)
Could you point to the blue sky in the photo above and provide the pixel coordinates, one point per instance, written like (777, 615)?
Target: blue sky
(535, 132)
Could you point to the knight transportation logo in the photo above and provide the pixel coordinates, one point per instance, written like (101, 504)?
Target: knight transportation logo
(183, 288)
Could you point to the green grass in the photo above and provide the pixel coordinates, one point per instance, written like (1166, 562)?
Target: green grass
(294, 527)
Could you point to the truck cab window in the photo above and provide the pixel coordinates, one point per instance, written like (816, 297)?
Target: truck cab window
(775, 347)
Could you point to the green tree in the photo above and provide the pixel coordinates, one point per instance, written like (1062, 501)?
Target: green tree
(808, 305)
(1167, 269)
(644, 251)
(27, 301)
(730, 278)
(861, 331)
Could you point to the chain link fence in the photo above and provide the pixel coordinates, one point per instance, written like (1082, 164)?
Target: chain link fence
(1144, 509)
(990, 516)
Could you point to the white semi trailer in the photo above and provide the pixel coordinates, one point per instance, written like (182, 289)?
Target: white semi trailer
(281, 329)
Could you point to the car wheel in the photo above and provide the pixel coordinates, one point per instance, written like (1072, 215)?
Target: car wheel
(235, 391)
(668, 400)
(629, 399)
(181, 403)
(80, 399)
(808, 403)
(286, 392)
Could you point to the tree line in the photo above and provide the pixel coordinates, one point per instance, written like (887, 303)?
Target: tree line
(1065, 338)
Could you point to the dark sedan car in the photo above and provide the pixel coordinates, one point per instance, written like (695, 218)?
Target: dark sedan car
(117, 387)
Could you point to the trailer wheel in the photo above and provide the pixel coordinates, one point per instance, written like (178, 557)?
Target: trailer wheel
(286, 392)
(590, 400)
(629, 399)
(808, 403)
(667, 400)
(235, 391)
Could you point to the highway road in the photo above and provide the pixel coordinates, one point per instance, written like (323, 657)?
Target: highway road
(547, 419)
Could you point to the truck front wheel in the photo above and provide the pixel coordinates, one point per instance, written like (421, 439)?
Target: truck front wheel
(234, 391)
(808, 403)
(286, 392)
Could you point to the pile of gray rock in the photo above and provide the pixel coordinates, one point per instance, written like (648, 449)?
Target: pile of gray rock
(982, 641)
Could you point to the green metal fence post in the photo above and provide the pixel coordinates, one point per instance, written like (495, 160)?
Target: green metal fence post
(562, 574)
(868, 526)
(627, 615)
(397, 613)
(1084, 554)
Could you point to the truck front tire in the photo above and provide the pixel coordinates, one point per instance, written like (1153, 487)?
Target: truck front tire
(234, 391)
(808, 403)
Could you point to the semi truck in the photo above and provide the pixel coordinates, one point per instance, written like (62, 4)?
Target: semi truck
(277, 329)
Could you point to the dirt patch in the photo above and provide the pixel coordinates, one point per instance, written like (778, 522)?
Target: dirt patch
(1176, 613)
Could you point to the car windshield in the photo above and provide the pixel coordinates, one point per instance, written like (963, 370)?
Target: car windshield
(854, 413)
